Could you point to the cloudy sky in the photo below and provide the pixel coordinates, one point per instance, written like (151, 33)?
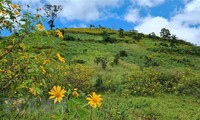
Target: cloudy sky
(181, 17)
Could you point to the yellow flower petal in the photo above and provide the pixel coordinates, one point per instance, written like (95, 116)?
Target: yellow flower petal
(51, 97)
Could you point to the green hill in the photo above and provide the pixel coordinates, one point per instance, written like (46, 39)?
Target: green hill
(139, 76)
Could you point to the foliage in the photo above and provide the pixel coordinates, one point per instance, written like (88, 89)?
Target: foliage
(99, 86)
(96, 31)
(101, 60)
(165, 34)
(67, 37)
(121, 33)
(150, 82)
(79, 76)
(123, 53)
(150, 61)
(9, 15)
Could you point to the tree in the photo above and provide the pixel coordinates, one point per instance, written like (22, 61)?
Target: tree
(92, 26)
(52, 11)
(165, 34)
(121, 32)
(173, 41)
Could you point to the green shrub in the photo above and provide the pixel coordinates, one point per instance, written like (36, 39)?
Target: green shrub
(123, 53)
(141, 83)
(79, 61)
(150, 81)
(151, 61)
(99, 86)
(79, 76)
(190, 85)
(68, 38)
(116, 59)
(101, 60)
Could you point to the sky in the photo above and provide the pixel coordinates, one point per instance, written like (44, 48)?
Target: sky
(181, 17)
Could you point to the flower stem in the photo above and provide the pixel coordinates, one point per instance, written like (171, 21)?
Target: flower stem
(91, 113)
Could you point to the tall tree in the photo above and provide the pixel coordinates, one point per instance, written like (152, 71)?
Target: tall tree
(51, 12)
(121, 32)
(165, 34)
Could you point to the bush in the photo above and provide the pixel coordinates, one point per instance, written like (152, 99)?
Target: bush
(109, 40)
(78, 76)
(79, 61)
(101, 60)
(123, 53)
(151, 82)
(99, 84)
(137, 37)
(69, 38)
(150, 61)
(116, 59)
(141, 83)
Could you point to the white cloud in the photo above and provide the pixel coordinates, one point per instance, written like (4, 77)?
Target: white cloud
(148, 3)
(152, 24)
(155, 24)
(190, 14)
(132, 16)
(86, 10)
(186, 24)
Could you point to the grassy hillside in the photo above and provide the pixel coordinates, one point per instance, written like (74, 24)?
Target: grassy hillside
(138, 76)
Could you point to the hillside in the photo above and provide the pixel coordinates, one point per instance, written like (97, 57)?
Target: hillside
(138, 76)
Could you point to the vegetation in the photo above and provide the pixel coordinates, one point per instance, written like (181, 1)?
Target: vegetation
(83, 73)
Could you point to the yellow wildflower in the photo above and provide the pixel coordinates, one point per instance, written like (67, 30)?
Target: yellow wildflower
(43, 70)
(57, 93)
(61, 59)
(60, 35)
(75, 93)
(46, 61)
(94, 100)
(15, 6)
(8, 72)
(3, 12)
(17, 13)
(32, 91)
(4, 23)
(40, 27)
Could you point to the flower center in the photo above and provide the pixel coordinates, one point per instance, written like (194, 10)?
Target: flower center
(57, 94)
(95, 99)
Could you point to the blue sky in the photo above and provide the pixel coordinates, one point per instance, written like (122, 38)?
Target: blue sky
(181, 17)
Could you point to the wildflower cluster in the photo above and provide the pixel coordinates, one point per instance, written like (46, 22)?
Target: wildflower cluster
(9, 15)
(57, 93)
(32, 90)
(59, 33)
